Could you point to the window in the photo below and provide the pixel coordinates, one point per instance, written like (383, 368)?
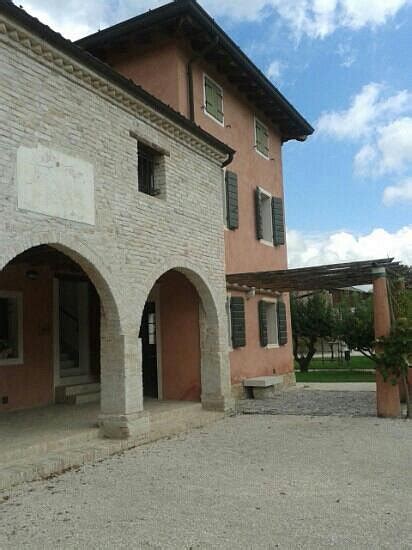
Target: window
(261, 138)
(237, 321)
(270, 223)
(213, 99)
(146, 167)
(11, 348)
(272, 323)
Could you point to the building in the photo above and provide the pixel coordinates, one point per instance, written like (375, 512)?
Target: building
(113, 250)
(179, 54)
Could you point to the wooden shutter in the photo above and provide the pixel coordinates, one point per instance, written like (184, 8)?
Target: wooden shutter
(282, 324)
(259, 218)
(262, 139)
(278, 221)
(214, 99)
(232, 200)
(219, 104)
(237, 318)
(263, 324)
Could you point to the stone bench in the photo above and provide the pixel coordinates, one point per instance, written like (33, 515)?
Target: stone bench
(264, 387)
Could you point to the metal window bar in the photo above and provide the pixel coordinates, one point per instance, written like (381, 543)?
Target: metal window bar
(146, 165)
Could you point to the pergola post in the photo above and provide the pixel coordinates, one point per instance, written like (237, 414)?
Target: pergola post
(387, 395)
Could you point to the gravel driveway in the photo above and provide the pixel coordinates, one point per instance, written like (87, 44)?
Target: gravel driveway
(245, 482)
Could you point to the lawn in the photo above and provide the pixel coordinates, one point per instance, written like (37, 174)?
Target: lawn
(356, 363)
(338, 371)
(335, 376)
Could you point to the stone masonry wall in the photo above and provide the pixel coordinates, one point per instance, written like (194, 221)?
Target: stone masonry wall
(136, 237)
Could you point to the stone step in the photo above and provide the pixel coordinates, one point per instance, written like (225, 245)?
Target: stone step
(78, 389)
(83, 398)
(56, 460)
(78, 394)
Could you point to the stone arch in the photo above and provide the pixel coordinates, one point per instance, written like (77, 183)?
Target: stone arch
(215, 378)
(99, 274)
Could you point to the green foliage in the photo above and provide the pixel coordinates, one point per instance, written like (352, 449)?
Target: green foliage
(395, 351)
(312, 317)
(356, 326)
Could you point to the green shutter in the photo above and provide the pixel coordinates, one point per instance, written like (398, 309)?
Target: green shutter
(263, 324)
(282, 324)
(214, 100)
(232, 200)
(237, 318)
(258, 209)
(278, 220)
(262, 139)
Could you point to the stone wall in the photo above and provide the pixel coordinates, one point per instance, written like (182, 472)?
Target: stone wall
(135, 238)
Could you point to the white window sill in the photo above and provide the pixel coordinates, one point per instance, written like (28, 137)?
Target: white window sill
(272, 346)
(267, 243)
(205, 112)
(261, 154)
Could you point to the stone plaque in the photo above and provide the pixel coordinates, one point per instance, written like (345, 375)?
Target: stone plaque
(53, 183)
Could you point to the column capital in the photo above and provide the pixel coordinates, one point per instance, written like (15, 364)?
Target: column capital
(378, 272)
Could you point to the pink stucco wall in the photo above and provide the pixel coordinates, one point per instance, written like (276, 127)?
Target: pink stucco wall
(162, 70)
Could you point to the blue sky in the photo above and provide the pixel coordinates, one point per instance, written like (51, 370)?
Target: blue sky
(346, 65)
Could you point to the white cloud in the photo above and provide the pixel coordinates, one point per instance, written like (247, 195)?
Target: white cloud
(367, 111)
(274, 70)
(307, 250)
(315, 18)
(402, 192)
(377, 119)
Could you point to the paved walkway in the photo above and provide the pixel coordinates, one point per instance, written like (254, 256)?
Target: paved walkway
(338, 386)
(315, 402)
(249, 482)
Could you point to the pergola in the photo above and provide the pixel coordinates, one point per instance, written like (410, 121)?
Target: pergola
(326, 277)
(322, 277)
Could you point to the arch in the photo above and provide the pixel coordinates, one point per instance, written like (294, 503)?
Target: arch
(195, 275)
(82, 254)
(214, 363)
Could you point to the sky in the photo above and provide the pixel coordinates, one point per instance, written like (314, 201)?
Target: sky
(346, 65)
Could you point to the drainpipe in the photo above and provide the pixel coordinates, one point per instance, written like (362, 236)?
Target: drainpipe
(192, 60)
(229, 159)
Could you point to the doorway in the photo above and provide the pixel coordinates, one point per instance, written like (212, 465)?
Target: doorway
(148, 335)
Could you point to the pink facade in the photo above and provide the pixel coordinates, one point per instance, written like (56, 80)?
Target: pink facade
(162, 69)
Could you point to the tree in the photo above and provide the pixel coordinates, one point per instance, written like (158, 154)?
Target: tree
(356, 327)
(312, 318)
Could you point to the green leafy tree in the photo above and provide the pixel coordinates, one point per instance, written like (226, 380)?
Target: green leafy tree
(356, 327)
(312, 318)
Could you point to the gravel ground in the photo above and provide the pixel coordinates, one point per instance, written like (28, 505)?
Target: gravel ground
(314, 403)
(246, 482)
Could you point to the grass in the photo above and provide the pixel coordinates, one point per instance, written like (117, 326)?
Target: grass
(356, 363)
(338, 371)
(335, 376)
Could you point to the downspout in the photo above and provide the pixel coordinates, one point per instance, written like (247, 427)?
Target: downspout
(229, 159)
(191, 61)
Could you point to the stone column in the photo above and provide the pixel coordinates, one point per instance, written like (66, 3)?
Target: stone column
(215, 368)
(122, 415)
(387, 396)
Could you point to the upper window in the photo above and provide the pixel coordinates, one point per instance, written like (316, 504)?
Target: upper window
(146, 170)
(270, 223)
(213, 99)
(11, 348)
(261, 138)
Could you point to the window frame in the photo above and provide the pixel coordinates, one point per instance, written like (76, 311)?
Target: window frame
(274, 303)
(205, 111)
(18, 296)
(269, 197)
(256, 122)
